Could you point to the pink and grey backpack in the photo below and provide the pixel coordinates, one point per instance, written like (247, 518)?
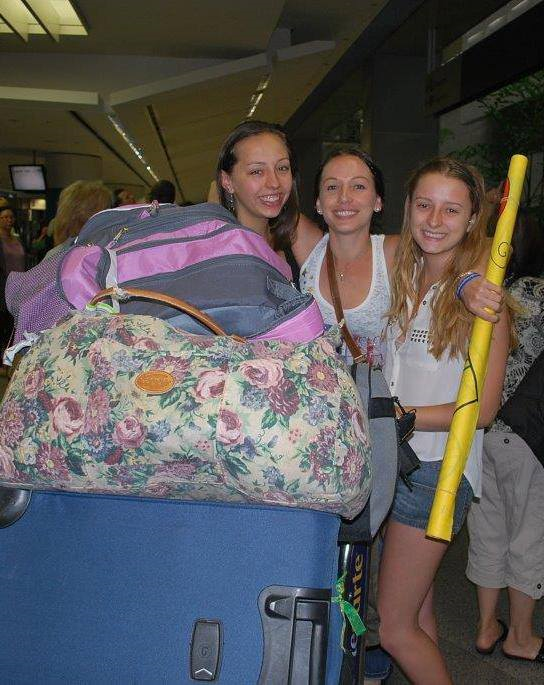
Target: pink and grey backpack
(197, 253)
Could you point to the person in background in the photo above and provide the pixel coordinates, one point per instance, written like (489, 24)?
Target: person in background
(12, 258)
(12, 249)
(122, 197)
(506, 526)
(41, 244)
(213, 193)
(163, 191)
(77, 203)
(443, 235)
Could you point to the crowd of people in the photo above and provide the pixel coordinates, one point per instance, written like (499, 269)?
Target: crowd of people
(409, 305)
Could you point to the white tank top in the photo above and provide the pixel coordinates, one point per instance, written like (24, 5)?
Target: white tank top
(418, 379)
(366, 321)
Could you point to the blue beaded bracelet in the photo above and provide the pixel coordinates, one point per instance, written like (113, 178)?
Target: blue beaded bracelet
(465, 278)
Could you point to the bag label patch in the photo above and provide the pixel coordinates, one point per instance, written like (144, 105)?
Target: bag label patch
(155, 382)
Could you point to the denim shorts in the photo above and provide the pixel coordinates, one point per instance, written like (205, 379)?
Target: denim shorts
(414, 508)
(378, 664)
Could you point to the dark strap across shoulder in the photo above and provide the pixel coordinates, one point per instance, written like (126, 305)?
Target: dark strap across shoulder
(356, 352)
(295, 268)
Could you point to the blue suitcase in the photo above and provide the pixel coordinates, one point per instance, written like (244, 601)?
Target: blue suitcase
(98, 589)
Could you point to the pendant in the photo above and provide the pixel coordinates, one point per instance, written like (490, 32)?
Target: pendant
(341, 276)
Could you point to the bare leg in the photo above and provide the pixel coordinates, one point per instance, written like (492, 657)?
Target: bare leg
(488, 628)
(427, 618)
(408, 567)
(521, 640)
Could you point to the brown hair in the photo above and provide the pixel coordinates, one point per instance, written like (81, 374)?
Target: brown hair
(450, 321)
(77, 203)
(283, 227)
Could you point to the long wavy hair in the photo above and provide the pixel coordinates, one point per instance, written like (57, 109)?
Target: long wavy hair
(284, 226)
(77, 203)
(450, 321)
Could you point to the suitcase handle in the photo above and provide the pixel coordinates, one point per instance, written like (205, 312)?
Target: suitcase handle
(165, 299)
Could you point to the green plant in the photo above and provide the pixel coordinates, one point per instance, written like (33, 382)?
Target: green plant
(515, 114)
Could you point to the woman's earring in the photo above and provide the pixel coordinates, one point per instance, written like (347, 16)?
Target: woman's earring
(231, 204)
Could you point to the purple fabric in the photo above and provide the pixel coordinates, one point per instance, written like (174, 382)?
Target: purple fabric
(37, 303)
(41, 312)
(158, 260)
(78, 271)
(33, 297)
(201, 229)
(302, 328)
(78, 274)
(237, 241)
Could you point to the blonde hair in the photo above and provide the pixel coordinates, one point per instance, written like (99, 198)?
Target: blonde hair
(77, 203)
(450, 321)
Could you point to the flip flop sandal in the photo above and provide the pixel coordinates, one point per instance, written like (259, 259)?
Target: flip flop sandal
(501, 638)
(539, 658)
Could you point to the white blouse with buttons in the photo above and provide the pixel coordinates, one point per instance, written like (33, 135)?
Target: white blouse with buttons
(418, 379)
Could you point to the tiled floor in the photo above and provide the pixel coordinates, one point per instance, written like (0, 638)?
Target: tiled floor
(457, 613)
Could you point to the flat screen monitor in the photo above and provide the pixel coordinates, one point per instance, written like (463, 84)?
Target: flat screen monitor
(29, 177)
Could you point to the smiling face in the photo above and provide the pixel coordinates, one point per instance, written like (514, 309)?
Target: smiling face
(261, 179)
(440, 214)
(347, 195)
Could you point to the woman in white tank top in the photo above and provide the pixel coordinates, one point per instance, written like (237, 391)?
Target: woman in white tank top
(365, 320)
(351, 193)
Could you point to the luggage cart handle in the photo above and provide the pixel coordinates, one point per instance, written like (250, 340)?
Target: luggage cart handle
(125, 293)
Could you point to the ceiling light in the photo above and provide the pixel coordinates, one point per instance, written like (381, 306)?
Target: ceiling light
(507, 13)
(52, 17)
(129, 140)
(258, 95)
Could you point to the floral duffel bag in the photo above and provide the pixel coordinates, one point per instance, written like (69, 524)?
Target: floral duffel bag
(127, 404)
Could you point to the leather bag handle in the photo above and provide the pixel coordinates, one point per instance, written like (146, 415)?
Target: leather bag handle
(356, 352)
(182, 305)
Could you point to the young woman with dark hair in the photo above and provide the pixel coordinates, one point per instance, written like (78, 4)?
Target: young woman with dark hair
(256, 180)
(350, 194)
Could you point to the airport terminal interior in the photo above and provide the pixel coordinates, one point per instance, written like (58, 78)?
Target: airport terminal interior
(129, 92)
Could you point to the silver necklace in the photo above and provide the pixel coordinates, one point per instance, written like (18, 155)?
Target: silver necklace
(342, 274)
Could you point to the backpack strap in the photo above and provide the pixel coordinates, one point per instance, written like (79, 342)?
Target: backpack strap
(356, 352)
(111, 277)
(178, 303)
(383, 431)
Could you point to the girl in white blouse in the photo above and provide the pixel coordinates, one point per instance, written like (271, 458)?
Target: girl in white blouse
(443, 235)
